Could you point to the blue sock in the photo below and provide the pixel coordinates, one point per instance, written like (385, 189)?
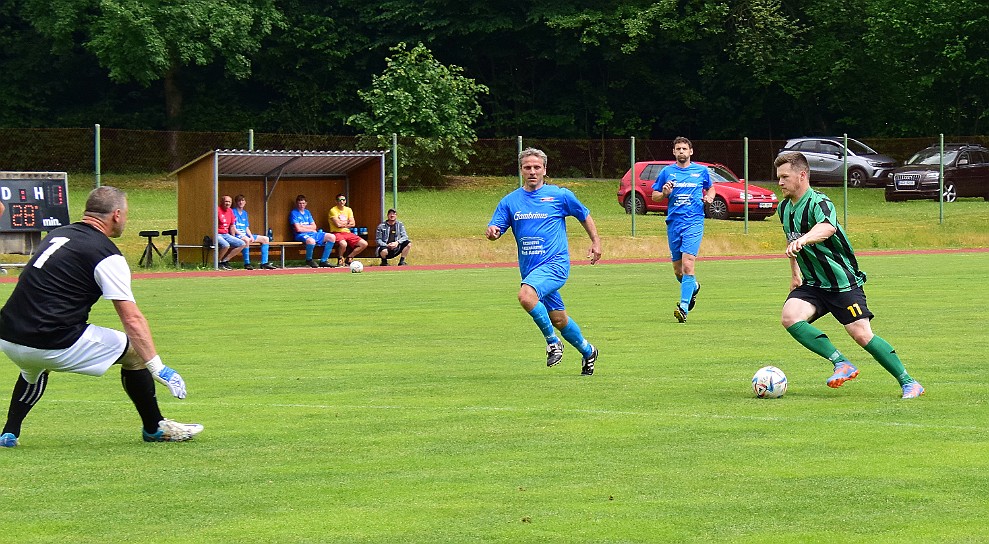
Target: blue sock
(541, 316)
(246, 252)
(687, 287)
(571, 333)
(264, 254)
(309, 250)
(327, 249)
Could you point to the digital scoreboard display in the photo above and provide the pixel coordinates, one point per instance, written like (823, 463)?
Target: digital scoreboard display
(34, 201)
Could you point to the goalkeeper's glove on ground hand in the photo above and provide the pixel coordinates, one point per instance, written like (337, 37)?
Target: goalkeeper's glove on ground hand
(167, 377)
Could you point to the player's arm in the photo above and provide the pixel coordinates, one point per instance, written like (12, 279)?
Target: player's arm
(136, 327)
(337, 222)
(139, 335)
(494, 232)
(795, 278)
(594, 253)
(305, 226)
(709, 195)
(818, 233)
(659, 188)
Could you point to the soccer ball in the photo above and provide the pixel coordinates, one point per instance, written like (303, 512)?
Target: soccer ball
(769, 382)
(356, 267)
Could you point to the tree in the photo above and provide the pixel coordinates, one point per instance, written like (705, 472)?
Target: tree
(146, 41)
(434, 105)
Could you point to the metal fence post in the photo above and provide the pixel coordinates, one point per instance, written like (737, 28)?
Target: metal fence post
(940, 198)
(96, 156)
(631, 184)
(844, 166)
(745, 173)
(394, 170)
(516, 161)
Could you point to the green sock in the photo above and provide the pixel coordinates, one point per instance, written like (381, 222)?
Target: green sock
(813, 339)
(886, 355)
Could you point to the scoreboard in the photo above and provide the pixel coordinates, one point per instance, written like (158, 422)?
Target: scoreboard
(34, 201)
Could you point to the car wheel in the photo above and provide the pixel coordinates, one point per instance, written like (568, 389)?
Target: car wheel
(717, 209)
(950, 194)
(857, 177)
(640, 204)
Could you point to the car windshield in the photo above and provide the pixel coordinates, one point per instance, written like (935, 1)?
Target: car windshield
(932, 155)
(857, 147)
(721, 175)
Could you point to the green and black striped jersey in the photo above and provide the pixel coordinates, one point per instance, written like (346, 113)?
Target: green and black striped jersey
(831, 264)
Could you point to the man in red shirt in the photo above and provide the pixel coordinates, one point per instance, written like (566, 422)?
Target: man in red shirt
(227, 243)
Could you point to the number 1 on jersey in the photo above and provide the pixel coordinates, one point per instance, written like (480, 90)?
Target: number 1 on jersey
(56, 243)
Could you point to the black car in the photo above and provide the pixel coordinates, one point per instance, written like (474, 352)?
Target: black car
(966, 173)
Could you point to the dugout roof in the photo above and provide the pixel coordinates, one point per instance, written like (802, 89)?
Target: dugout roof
(273, 164)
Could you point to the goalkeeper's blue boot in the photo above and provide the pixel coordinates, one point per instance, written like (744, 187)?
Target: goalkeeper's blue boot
(172, 431)
(912, 390)
(8, 440)
(843, 372)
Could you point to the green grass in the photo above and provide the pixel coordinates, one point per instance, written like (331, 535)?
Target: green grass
(414, 406)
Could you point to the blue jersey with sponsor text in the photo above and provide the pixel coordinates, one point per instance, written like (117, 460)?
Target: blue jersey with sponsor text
(538, 221)
(241, 223)
(689, 185)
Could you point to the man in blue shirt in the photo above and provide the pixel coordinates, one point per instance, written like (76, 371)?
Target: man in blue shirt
(242, 224)
(688, 187)
(306, 231)
(537, 213)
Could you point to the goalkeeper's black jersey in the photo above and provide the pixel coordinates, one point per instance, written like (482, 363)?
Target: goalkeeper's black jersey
(831, 264)
(75, 265)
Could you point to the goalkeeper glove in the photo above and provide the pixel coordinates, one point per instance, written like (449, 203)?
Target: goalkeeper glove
(167, 377)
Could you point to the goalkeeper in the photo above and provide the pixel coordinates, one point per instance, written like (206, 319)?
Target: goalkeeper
(43, 325)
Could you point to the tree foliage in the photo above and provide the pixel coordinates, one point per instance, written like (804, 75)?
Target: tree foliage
(418, 97)
(576, 69)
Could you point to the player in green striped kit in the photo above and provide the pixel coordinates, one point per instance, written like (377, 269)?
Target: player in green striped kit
(826, 278)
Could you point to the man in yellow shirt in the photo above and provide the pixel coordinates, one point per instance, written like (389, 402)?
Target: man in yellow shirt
(341, 221)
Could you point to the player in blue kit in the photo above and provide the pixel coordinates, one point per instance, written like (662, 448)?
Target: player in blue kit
(688, 187)
(242, 226)
(536, 213)
(307, 232)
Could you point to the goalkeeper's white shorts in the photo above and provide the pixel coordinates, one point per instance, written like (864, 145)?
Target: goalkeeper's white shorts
(93, 354)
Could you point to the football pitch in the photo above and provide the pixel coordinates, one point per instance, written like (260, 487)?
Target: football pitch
(415, 406)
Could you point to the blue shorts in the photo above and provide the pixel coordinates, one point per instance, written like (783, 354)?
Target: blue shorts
(315, 236)
(547, 280)
(684, 237)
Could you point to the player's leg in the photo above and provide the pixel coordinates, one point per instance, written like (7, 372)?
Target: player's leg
(341, 250)
(24, 396)
(383, 253)
(690, 245)
(800, 309)
(246, 253)
(861, 331)
(404, 248)
(328, 242)
(139, 385)
(264, 241)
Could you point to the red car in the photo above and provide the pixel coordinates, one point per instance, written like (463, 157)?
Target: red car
(728, 202)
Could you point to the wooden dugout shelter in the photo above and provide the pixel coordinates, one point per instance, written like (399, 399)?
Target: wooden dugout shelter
(270, 180)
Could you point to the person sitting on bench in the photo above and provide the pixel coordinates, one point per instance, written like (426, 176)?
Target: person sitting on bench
(307, 231)
(243, 231)
(342, 225)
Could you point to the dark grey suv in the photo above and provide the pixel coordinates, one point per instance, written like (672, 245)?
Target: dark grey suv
(966, 173)
(825, 155)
